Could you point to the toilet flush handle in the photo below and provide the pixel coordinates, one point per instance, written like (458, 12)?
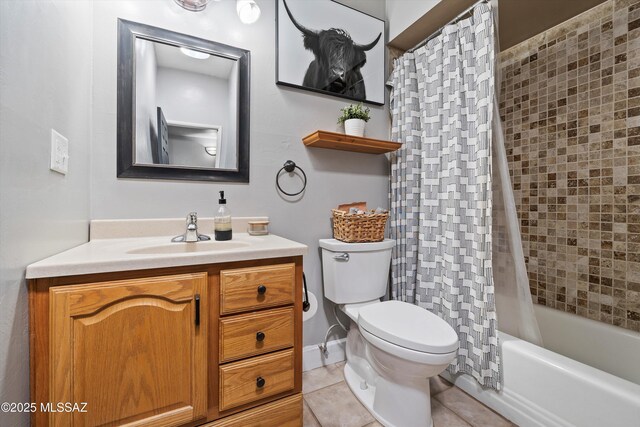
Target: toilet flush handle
(342, 257)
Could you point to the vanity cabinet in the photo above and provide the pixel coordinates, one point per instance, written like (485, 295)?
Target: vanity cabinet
(214, 345)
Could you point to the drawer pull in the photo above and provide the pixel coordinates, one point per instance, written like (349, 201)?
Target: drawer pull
(260, 336)
(262, 289)
(260, 382)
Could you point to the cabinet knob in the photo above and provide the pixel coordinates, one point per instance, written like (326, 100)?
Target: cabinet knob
(260, 382)
(260, 336)
(262, 289)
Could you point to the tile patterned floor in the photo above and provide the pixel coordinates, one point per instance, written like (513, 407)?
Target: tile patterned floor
(328, 402)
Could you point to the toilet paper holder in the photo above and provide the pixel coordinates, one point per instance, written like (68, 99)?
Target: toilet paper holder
(306, 305)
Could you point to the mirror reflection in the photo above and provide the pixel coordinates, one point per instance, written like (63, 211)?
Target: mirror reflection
(185, 107)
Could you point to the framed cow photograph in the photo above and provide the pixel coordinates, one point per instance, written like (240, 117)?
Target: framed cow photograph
(324, 46)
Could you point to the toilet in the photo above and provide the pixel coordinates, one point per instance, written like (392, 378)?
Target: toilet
(393, 347)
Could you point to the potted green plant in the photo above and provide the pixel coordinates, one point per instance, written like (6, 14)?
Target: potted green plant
(354, 118)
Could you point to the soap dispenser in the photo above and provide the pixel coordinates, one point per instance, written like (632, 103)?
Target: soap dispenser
(222, 220)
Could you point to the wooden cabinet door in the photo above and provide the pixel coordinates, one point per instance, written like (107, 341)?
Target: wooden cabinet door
(133, 350)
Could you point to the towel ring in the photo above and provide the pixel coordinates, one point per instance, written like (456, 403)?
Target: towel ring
(290, 166)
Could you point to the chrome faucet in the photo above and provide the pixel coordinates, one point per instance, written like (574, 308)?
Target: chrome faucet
(191, 234)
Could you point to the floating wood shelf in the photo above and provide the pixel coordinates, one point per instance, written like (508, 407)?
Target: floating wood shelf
(340, 141)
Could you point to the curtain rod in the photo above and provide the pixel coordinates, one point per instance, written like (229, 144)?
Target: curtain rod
(457, 18)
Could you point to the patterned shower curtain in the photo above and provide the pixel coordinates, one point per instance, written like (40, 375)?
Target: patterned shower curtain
(442, 104)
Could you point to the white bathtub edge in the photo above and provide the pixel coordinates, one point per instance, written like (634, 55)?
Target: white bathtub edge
(543, 388)
(512, 406)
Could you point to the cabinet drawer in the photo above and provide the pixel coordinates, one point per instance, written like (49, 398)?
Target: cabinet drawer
(255, 333)
(251, 288)
(285, 412)
(256, 378)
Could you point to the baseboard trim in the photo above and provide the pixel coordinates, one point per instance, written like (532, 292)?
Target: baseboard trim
(313, 358)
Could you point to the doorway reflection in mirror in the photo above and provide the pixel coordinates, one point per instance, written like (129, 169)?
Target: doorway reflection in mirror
(186, 107)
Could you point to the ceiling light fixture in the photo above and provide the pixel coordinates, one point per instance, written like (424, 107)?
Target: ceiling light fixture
(194, 53)
(248, 11)
(193, 5)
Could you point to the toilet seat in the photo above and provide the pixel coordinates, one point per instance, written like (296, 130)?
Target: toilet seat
(407, 326)
(406, 353)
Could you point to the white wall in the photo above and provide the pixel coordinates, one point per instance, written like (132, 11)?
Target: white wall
(402, 13)
(45, 82)
(280, 117)
(192, 97)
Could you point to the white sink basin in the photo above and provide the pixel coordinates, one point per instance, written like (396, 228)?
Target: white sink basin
(185, 248)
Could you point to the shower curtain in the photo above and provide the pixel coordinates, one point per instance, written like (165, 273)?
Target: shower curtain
(445, 207)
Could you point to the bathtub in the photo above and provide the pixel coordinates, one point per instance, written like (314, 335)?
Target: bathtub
(587, 375)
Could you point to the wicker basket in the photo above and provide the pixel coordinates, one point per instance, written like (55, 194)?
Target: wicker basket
(359, 228)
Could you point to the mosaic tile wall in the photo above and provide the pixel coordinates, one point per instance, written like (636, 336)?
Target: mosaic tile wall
(570, 105)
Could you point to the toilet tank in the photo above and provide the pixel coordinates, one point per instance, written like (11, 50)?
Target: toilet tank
(355, 272)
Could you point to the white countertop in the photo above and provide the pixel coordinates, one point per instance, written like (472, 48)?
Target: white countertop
(105, 255)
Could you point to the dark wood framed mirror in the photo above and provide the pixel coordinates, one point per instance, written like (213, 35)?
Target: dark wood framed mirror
(183, 106)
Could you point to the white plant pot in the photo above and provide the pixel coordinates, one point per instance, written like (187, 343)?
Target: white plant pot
(354, 127)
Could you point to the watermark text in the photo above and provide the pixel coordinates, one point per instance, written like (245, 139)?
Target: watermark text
(80, 407)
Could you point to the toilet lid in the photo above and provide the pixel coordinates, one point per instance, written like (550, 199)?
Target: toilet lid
(409, 326)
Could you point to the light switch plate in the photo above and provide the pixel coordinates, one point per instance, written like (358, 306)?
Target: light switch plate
(59, 153)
